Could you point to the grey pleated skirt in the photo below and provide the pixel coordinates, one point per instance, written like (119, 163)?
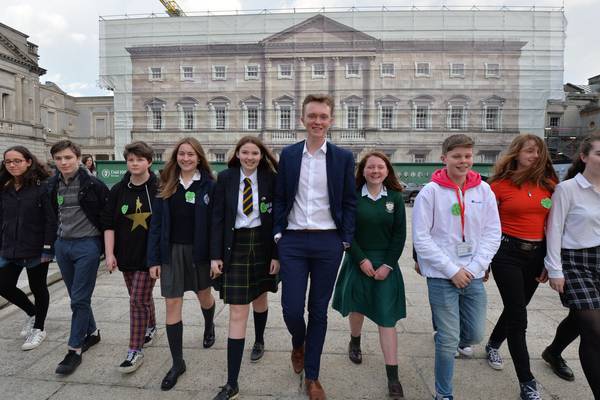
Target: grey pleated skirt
(182, 274)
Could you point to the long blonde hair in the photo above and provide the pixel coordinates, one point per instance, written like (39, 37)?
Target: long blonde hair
(169, 177)
(541, 174)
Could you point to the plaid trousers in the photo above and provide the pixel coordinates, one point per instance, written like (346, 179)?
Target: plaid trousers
(141, 306)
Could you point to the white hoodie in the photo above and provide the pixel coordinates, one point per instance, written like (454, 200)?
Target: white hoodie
(437, 230)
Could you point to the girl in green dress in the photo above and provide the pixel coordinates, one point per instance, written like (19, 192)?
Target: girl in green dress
(370, 282)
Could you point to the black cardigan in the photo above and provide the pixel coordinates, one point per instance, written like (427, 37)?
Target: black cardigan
(225, 211)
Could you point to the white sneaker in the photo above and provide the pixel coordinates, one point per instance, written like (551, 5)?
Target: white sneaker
(133, 361)
(34, 339)
(28, 326)
(466, 351)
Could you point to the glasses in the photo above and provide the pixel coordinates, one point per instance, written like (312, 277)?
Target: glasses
(16, 162)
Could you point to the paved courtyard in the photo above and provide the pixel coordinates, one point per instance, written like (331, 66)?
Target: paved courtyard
(30, 375)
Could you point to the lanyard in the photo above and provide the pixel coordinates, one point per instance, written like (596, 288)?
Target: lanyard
(461, 204)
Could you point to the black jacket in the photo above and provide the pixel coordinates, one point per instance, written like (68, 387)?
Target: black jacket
(28, 222)
(225, 211)
(93, 195)
(131, 235)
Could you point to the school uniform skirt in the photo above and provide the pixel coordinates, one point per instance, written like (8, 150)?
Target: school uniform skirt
(247, 276)
(182, 274)
(581, 268)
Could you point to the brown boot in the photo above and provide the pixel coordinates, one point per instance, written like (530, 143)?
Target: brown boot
(298, 359)
(314, 390)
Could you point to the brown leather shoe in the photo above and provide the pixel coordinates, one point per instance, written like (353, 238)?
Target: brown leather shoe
(314, 389)
(298, 359)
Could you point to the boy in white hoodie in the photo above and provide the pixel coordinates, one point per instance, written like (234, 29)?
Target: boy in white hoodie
(456, 232)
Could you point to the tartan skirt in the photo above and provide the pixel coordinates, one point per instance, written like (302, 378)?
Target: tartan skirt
(581, 268)
(247, 276)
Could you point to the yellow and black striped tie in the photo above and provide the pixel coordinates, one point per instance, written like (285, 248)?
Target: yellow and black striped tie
(247, 197)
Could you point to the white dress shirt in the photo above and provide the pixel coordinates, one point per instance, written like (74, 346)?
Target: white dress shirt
(574, 221)
(196, 177)
(253, 220)
(365, 192)
(311, 209)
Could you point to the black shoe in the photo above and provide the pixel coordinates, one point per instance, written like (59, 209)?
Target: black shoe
(170, 379)
(69, 364)
(558, 365)
(209, 337)
(395, 390)
(354, 353)
(258, 350)
(89, 341)
(227, 393)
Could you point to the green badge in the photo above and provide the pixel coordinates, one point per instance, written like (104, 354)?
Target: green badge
(60, 199)
(190, 197)
(263, 208)
(546, 202)
(456, 209)
(124, 208)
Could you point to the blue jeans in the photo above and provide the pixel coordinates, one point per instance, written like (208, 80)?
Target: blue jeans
(78, 261)
(459, 316)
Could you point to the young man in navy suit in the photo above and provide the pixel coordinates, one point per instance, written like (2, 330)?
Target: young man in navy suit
(314, 207)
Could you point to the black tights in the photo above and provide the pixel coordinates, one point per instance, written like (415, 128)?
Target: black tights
(9, 275)
(589, 347)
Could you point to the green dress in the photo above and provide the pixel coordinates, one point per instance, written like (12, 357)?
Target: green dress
(379, 236)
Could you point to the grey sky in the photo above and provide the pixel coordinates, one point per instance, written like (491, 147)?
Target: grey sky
(67, 30)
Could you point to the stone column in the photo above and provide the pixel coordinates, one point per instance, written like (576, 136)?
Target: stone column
(19, 97)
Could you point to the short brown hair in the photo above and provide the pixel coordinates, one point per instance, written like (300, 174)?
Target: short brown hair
(140, 149)
(319, 98)
(63, 145)
(455, 141)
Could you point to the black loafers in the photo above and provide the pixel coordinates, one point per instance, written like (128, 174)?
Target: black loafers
(258, 350)
(209, 337)
(354, 353)
(558, 365)
(395, 390)
(170, 379)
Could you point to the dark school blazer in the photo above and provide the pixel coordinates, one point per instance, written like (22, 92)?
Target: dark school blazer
(225, 210)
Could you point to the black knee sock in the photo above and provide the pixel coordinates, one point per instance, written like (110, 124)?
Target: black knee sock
(355, 340)
(235, 351)
(260, 322)
(566, 332)
(175, 338)
(209, 316)
(392, 373)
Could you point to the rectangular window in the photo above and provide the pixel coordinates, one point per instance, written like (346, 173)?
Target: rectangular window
(187, 73)
(100, 127)
(188, 119)
(492, 116)
(220, 157)
(387, 70)
(353, 70)
(554, 122)
(285, 117)
(155, 73)
(422, 117)
(252, 118)
(352, 117)
(252, 71)
(457, 114)
(457, 70)
(318, 71)
(220, 117)
(284, 71)
(489, 157)
(157, 156)
(4, 106)
(423, 69)
(492, 70)
(157, 119)
(219, 72)
(419, 158)
(387, 114)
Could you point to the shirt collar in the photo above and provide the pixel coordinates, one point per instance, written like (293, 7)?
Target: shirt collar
(252, 176)
(365, 192)
(582, 181)
(196, 177)
(323, 148)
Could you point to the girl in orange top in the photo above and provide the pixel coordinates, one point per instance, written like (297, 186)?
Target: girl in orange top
(523, 183)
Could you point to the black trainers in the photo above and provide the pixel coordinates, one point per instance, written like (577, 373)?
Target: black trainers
(69, 364)
(258, 350)
(209, 337)
(354, 353)
(227, 393)
(558, 365)
(89, 341)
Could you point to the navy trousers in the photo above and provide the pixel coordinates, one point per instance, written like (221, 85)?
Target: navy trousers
(302, 255)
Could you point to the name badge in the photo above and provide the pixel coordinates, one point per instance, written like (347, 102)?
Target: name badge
(464, 249)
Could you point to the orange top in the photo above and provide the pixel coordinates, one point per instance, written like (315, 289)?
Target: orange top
(523, 211)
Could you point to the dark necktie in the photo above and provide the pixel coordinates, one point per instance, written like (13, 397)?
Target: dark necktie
(247, 197)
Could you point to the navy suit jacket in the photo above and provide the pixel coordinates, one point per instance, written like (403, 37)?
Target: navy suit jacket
(340, 185)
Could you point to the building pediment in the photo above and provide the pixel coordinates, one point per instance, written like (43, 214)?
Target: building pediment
(387, 99)
(11, 52)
